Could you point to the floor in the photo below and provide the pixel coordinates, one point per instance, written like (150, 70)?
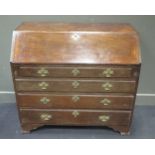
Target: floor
(143, 126)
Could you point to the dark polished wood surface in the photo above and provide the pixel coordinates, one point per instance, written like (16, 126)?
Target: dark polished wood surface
(86, 117)
(75, 101)
(70, 71)
(93, 44)
(75, 74)
(76, 85)
(67, 27)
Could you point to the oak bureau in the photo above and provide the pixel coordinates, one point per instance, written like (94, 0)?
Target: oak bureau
(75, 74)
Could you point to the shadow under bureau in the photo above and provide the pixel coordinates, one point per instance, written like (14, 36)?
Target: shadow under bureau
(75, 74)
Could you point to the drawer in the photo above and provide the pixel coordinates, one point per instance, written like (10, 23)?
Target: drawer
(76, 117)
(44, 71)
(75, 101)
(58, 85)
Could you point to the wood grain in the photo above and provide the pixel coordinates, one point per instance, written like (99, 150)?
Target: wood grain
(85, 117)
(83, 71)
(73, 59)
(67, 101)
(101, 44)
(86, 85)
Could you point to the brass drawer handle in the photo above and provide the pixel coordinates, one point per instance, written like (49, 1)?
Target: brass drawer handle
(105, 101)
(46, 117)
(43, 85)
(107, 86)
(108, 72)
(104, 118)
(75, 98)
(75, 84)
(44, 100)
(43, 72)
(75, 113)
(75, 72)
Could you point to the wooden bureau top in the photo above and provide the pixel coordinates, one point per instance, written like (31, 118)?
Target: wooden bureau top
(60, 43)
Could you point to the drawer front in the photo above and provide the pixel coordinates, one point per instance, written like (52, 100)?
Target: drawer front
(76, 117)
(76, 86)
(75, 71)
(75, 101)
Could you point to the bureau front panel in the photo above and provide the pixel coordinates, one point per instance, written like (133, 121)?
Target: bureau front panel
(74, 47)
(76, 117)
(76, 85)
(74, 101)
(44, 71)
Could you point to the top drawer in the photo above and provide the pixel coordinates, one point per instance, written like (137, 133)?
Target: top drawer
(52, 71)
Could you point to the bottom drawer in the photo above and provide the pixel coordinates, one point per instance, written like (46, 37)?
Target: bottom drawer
(75, 117)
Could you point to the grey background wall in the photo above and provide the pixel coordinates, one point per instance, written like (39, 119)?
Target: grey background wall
(145, 25)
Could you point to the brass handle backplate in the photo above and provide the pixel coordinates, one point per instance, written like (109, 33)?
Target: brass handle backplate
(75, 98)
(43, 85)
(75, 84)
(108, 72)
(46, 117)
(75, 72)
(44, 100)
(43, 72)
(105, 101)
(104, 118)
(107, 86)
(75, 113)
